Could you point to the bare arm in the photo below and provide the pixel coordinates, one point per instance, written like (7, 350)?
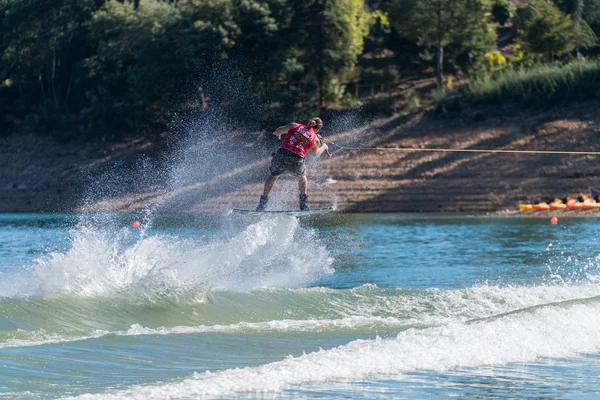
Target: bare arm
(282, 130)
(319, 148)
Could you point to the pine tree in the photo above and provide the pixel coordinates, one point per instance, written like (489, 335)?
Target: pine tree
(330, 35)
(547, 31)
(585, 15)
(436, 24)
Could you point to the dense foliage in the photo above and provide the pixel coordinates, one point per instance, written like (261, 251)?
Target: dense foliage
(455, 26)
(88, 66)
(540, 87)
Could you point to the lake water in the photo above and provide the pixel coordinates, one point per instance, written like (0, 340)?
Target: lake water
(356, 306)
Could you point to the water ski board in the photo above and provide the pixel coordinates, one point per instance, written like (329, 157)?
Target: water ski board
(300, 213)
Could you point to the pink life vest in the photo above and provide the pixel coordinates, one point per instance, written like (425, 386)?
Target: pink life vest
(299, 140)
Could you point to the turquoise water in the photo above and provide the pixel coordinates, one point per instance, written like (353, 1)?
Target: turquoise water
(357, 306)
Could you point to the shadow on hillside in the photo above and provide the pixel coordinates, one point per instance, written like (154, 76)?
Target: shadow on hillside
(485, 181)
(419, 181)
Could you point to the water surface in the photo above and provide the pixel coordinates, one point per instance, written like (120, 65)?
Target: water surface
(362, 306)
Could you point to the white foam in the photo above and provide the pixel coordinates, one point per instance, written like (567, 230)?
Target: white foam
(41, 337)
(97, 264)
(285, 325)
(553, 331)
(274, 252)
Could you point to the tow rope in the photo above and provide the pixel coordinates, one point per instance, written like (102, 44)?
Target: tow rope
(447, 150)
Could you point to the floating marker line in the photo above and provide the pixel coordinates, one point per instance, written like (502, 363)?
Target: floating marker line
(446, 150)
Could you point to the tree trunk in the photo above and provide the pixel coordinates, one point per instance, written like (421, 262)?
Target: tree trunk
(440, 65)
(320, 83)
(440, 48)
(577, 16)
(321, 71)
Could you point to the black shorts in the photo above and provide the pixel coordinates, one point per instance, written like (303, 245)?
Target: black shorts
(285, 160)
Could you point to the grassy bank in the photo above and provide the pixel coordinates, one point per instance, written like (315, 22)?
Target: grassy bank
(541, 87)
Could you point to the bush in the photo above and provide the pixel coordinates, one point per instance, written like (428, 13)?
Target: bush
(495, 60)
(413, 102)
(545, 30)
(503, 11)
(333, 91)
(542, 87)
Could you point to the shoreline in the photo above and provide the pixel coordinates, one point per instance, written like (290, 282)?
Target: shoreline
(411, 215)
(38, 174)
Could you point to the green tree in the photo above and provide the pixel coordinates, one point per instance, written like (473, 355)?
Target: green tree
(589, 10)
(379, 34)
(149, 54)
(546, 30)
(262, 42)
(439, 24)
(586, 17)
(503, 11)
(330, 35)
(42, 47)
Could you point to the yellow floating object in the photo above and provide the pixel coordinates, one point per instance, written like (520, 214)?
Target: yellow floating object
(557, 205)
(526, 207)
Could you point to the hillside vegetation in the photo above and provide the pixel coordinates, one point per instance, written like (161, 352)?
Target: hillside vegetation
(542, 87)
(87, 68)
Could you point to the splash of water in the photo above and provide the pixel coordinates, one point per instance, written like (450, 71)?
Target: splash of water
(274, 252)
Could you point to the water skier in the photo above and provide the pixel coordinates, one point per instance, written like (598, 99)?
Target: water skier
(299, 140)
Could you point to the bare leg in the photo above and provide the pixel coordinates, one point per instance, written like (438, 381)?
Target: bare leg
(303, 186)
(302, 183)
(269, 185)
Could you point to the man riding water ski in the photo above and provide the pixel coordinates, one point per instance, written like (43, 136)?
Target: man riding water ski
(298, 141)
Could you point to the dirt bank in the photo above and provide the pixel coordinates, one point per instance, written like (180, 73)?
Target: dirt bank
(38, 174)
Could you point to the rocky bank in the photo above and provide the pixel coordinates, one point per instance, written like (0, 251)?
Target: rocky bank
(39, 174)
